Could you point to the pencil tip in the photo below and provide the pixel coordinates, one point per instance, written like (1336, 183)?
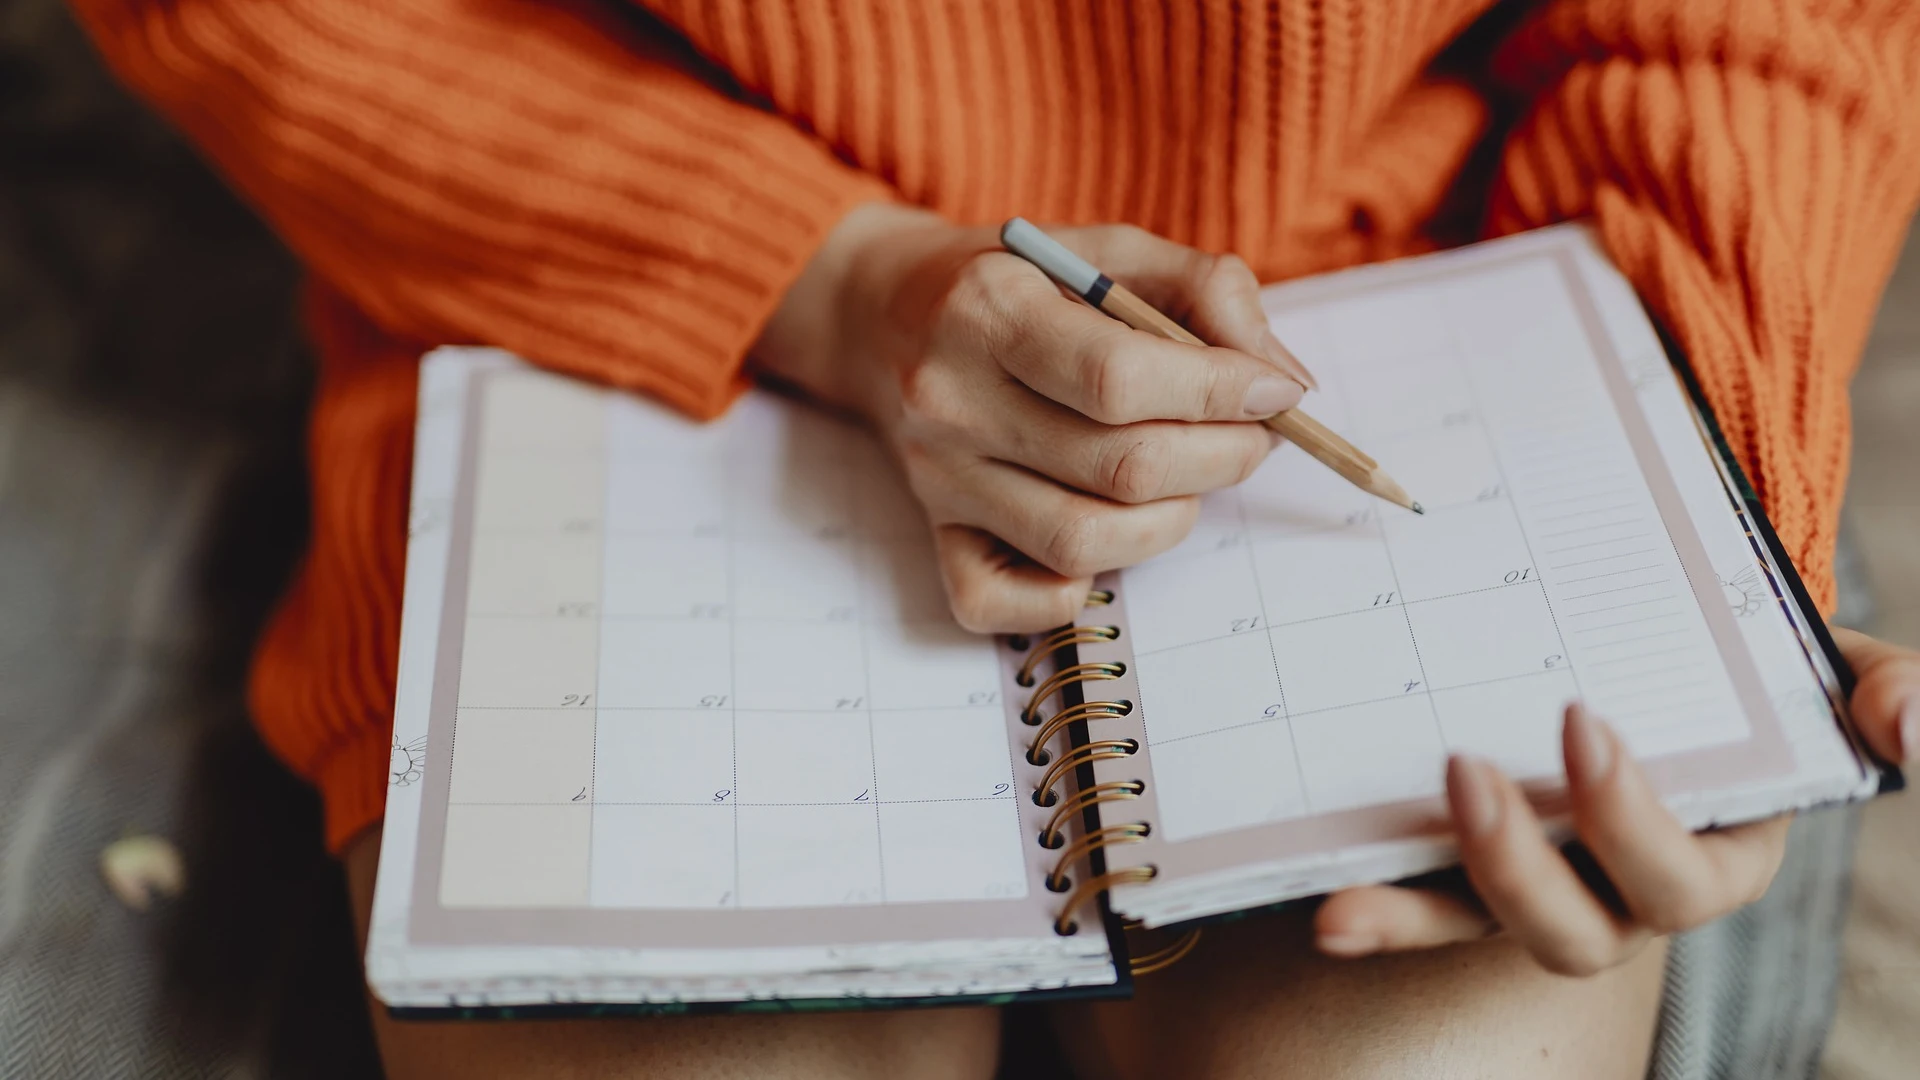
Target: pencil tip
(1417, 508)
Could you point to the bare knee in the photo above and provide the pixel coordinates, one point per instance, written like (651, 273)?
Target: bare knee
(1255, 1000)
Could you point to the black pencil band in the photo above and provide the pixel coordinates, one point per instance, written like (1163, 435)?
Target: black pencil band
(1098, 291)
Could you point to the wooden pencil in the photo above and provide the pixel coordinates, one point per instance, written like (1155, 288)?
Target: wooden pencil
(1080, 277)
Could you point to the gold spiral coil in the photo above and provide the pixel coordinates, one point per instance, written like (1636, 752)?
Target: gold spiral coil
(1167, 955)
(1065, 925)
(1131, 832)
(1061, 639)
(1112, 791)
(1084, 754)
(1053, 835)
(1058, 722)
(1097, 671)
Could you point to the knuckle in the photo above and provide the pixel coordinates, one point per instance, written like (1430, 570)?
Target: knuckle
(974, 606)
(1112, 381)
(1127, 236)
(1219, 280)
(930, 393)
(1074, 547)
(1579, 957)
(975, 300)
(1138, 468)
(1254, 456)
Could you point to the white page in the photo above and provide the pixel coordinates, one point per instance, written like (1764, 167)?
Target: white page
(702, 713)
(1302, 666)
(1540, 572)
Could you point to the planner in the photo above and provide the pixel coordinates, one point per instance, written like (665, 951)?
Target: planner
(683, 721)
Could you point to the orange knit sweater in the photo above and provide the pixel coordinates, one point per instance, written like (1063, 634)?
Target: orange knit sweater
(624, 194)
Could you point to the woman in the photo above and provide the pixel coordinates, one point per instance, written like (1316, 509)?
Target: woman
(651, 198)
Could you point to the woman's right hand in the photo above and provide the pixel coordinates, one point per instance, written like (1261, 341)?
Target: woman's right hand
(1047, 441)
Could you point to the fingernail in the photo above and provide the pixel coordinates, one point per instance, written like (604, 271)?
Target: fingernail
(1910, 731)
(1270, 394)
(1350, 944)
(1470, 792)
(1588, 745)
(1282, 357)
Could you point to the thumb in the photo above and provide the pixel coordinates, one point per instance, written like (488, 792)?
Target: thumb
(1886, 699)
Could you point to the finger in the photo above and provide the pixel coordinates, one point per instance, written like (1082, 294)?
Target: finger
(1670, 879)
(1131, 463)
(1073, 534)
(1886, 698)
(994, 590)
(1389, 918)
(1216, 296)
(1527, 885)
(1095, 364)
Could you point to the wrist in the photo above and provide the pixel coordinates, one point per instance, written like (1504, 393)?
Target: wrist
(852, 310)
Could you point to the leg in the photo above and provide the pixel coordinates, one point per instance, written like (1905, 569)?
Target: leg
(923, 1043)
(1255, 1000)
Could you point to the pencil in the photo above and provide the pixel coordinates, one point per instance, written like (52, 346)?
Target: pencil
(1080, 277)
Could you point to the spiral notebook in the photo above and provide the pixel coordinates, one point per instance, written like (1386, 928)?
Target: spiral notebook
(683, 722)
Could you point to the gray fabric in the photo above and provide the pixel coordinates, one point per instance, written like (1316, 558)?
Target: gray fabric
(150, 505)
(151, 395)
(1752, 995)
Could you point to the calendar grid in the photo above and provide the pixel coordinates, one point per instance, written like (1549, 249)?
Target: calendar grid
(698, 714)
(1284, 623)
(1399, 591)
(1263, 721)
(1456, 351)
(1273, 652)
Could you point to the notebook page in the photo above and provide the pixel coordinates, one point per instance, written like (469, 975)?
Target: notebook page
(1303, 664)
(692, 696)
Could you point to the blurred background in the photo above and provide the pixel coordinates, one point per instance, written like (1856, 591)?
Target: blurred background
(152, 392)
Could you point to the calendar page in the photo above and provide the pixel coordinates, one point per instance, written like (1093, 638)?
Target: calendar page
(1301, 667)
(687, 698)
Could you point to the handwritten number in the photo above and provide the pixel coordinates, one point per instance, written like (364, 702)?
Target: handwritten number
(582, 795)
(1554, 660)
(1002, 789)
(849, 702)
(1272, 711)
(713, 701)
(721, 796)
(1382, 598)
(1412, 684)
(1516, 576)
(984, 697)
(1245, 624)
(575, 700)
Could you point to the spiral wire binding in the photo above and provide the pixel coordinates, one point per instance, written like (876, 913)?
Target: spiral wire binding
(1052, 836)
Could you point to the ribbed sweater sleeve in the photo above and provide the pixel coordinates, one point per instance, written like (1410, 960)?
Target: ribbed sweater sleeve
(1752, 165)
(517, 174)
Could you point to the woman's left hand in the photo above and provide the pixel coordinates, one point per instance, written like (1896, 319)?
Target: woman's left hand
(1666, 878)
